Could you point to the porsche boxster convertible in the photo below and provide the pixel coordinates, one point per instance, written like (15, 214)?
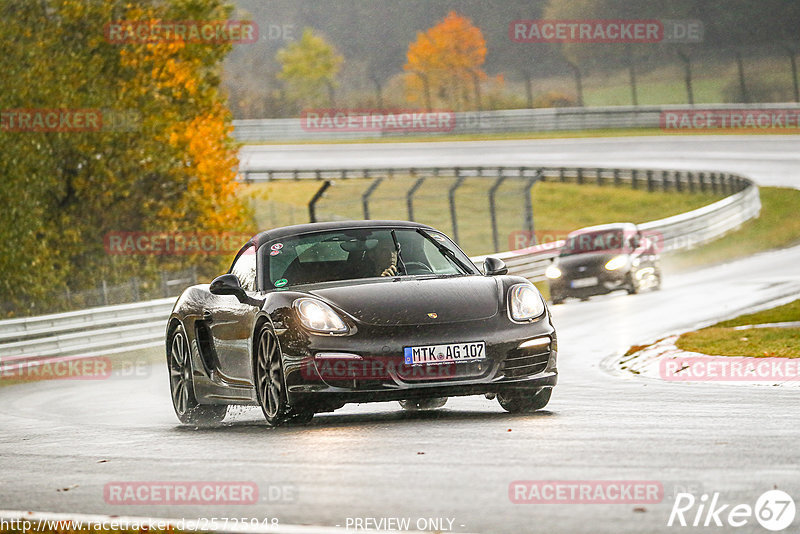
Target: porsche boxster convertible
(313, 316)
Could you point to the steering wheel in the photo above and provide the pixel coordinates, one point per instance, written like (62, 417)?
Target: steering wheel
(425, 268)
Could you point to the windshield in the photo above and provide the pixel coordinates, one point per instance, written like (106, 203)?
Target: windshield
(607, 241)
(361, 253)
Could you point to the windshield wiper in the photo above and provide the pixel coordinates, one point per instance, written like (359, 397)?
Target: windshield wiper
(446, 252)
(399, 253)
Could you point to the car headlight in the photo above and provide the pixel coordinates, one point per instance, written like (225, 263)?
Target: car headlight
(617, 262)
(552, 272)
(319, 317)
(525, 303)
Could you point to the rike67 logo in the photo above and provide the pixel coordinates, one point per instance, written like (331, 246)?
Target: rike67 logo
(774, 510)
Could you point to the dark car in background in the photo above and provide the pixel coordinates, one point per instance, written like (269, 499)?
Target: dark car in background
(314, 316)
(605, 258)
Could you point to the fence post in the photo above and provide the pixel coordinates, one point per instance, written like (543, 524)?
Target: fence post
(312, 204)
(451, 194)
(561, 176)
(599, 176)
(365, 197)
(529, 205)
(164, 284)
(616, 177)
(678, 183)
(580, 176)
(664, 184)
(649, 181)
(714, 183)
(690, 178)
(634, 179)
(135, 288)
(410, 196)
(105, 291)
(702, 177)
(493, 208)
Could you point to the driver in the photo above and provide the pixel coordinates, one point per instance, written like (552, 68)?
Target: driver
(384, 259)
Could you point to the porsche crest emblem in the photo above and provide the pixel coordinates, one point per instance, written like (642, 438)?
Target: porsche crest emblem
(433, 315)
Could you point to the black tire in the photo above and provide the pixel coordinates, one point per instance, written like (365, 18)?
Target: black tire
(271, 384)
(657, 286)
(524, 402)
(181, 385)
(633, 285)
(415, 405)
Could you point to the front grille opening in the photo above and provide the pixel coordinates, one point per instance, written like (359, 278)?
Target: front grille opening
(526, 362)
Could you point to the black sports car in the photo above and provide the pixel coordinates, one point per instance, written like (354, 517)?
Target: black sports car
(314, 316)
(605, 258)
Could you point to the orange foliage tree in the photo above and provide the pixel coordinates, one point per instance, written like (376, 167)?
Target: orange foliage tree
(444, 65)
(171, 167)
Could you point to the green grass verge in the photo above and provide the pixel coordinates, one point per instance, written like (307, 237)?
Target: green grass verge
(722, 339)
(777, 227)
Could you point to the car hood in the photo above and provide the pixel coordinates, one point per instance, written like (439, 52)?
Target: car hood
(590, 260)
(410, 301)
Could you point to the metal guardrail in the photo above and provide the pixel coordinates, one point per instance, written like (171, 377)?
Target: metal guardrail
(122, 328)
(493, 122)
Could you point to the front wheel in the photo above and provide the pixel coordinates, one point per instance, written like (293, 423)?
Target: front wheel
(524, 402)
(633, 284)
(182, 386)
(270, 383)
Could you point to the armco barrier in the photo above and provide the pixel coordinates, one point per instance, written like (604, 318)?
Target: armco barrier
(113, 329)
(498, 122)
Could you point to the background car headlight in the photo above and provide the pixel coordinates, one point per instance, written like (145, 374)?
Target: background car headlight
(552, 272)
(319, 317)
(617, 262)
(525, 302)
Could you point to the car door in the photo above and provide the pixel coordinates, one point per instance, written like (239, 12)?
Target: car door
(231, 323)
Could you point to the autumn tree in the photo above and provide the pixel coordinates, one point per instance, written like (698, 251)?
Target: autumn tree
(308, 68)
(444, 64)
(170, 168)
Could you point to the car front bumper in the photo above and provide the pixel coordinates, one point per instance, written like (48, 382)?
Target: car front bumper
(372, 366)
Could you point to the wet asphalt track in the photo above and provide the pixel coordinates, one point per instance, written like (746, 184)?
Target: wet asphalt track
(377, 461)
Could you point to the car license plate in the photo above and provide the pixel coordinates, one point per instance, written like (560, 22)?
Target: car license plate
(451, 353)
(584, 282)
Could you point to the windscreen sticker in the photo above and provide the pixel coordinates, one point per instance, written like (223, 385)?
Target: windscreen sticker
(282, 282)
(277, 246)
(438, 237)
(274, 252)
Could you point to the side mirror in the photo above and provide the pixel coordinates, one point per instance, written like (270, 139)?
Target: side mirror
(228, 284)
(494, 266)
